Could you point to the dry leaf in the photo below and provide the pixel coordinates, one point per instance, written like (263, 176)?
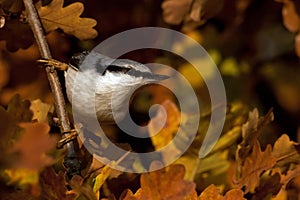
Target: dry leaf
(286, 152)
(33, 146)
(190, 13)
(251, 130)
(15, 6)
(175, 11)
(20, 109)
(164, 184)
(169, 128)
(291, 174)
(254, 166)
(40, 110)
(290, 16)
(291, 19)
(269, 186)
(9, 130)
(54, 16)
(16, 34)
(81, 189)
(53, 186)
(213, 193)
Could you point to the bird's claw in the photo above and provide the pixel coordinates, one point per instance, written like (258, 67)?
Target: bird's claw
(69, 136)
(53, 63)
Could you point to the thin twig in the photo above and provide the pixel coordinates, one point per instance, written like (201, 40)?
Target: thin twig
(71, 161)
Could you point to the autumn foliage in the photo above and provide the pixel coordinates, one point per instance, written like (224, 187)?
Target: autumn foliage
(256, 46)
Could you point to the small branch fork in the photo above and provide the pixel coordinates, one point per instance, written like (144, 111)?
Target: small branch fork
(71, 160)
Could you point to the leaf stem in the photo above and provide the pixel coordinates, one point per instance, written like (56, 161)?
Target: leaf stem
(71, 160)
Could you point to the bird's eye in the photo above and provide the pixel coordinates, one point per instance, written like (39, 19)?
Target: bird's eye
(115, 68)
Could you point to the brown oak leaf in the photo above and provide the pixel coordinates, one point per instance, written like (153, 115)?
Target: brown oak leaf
(254, 166)
(54, 16)
(291, 174)
(33, 145)
(251, 130)
(164, 184)
(190, 13)
(168, 128)
(291, 19)
(79, 187)
(286, 152)
(53, 185)
(269, 185)
(12, 6)
(290, 16)
(213, 193)
(20, 109)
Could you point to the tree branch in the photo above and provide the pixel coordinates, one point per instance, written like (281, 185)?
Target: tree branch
(71, 160)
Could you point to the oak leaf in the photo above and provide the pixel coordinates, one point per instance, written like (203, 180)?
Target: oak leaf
(290, 16)
(53, 185)
(213, 193)
(33, 145)
(15, 6)
(168, 122)
(190, 13)
(291, 174)
(54, 16)
(291, 19)
(286, 152)
(164, 184)
(269, 186)
(16, 34)
(20, 109)
(254, 166)
(40, 110)
(251, 130)
(82, 188)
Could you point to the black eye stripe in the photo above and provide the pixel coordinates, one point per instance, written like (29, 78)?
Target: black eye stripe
(115, 68)
(129, 71)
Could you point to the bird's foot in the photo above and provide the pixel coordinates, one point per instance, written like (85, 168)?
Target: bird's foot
(69, 136)
(53, 63)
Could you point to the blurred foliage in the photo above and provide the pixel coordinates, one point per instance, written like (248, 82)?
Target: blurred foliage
(255, 45)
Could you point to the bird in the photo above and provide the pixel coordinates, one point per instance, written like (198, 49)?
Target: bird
(109, 81)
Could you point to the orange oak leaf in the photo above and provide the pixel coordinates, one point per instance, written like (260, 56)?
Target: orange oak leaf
(291, 19)
(213, 193)
(168, 128)
(254, 166)
(33, 146)
(286, 152)
(55, 16)
(53, 186)
(166, 183)
(190, 13)
(175, 11)
(251, 130)
(286, 178)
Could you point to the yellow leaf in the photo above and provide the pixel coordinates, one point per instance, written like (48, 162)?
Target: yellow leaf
(100, 178)
(40, 110)
(22, 176)
(230, 67)
(55, 16)
(170, 127)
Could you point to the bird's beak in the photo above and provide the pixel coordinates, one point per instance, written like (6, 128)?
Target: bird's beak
(157, 77)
